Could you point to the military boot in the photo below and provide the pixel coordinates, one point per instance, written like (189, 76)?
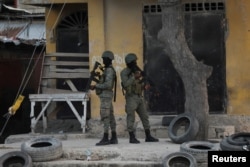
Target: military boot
(104, 141)
(150, 138)
(113, 139)
(132, 138)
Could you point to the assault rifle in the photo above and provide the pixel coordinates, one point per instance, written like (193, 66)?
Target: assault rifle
(94, 75)
(145, 78)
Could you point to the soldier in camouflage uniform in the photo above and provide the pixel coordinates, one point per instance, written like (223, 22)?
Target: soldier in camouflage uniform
(132, 83)
(104, 89)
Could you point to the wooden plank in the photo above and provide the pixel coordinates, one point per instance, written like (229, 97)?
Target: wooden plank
(65, 63)
(76, 70)
(59, 97)
(55, 91)
(61, 54)
(71, 85)
(79, 95)
(53, 75)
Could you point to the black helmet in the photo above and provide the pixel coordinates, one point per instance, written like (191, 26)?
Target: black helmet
(130, 57)
(108, 54)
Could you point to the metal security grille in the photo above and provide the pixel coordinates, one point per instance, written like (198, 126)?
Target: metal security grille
(203, 6)
(73, 29)
(152, 8)
(77, 20)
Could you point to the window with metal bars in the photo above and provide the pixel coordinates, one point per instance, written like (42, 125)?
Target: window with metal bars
(152, 8)
(201, 7)
(189, 7)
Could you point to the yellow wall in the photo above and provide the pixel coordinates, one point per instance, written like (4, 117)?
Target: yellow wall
(238, 56)
(122, 28)
(96, 43)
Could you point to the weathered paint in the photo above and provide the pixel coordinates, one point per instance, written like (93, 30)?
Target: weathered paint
(237, 56)
(117, 26)
(96, 43)
(123, 34)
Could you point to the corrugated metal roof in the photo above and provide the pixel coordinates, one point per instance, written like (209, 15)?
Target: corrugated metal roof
(32, 33)
(16, 9)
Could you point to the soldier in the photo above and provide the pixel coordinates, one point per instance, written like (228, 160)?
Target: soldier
(132, 83)
(104, 89)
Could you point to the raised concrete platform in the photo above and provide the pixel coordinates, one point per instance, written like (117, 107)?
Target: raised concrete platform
(76, 146)
(95, 128)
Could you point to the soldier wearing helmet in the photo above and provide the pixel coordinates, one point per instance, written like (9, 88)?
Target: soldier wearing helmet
(130, 58)
(131, 77)
(104, 89)
(108, 54)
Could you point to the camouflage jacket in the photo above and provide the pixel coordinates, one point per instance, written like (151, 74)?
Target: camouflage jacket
(105, 87)
(130, 84)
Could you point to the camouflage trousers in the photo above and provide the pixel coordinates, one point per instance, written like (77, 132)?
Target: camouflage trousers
(135, 104)
(107, 114)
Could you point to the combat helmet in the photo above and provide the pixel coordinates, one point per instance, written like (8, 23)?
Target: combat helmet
(130, 57)
(108, 54)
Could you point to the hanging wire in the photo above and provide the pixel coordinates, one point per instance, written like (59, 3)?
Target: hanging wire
(19, 98)
(36, 62)
(21, 88)
(6, 122)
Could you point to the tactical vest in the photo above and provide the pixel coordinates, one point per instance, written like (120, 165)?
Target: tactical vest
(134, 88)
(101, 80)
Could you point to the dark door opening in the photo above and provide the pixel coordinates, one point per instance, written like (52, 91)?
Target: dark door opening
(72, 37)
(205, 36)
(166, 96)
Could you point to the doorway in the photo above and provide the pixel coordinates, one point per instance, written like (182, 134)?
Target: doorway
(72, 37)
(204, 31)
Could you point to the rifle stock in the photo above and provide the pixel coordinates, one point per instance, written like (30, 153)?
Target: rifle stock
(145, 78)
(93, 75)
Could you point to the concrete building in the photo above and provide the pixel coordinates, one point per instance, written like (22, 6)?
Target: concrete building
(217, 33)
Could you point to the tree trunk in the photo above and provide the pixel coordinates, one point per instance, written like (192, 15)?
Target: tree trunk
(194, 74)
